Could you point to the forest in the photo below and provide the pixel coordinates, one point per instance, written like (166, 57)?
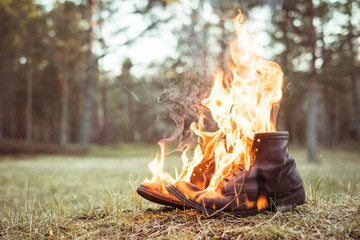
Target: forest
(55, 86)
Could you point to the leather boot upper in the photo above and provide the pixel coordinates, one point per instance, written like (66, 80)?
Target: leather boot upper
(272, 174)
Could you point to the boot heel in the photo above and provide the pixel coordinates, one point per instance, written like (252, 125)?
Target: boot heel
(290, 201)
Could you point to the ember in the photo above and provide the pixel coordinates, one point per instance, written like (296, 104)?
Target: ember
(244, 166)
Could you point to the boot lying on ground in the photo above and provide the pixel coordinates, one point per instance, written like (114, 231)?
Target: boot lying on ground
(271, 181)
(157, 193)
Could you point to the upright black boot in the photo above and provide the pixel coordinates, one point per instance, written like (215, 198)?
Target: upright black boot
(272, 180)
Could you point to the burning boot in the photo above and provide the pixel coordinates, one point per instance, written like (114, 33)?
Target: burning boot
(198, 175)
(271, 180)
(242, 102)
(157, 192)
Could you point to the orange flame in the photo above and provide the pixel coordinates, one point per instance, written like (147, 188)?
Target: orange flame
(248, 203)
(50, 233)
(157, 168)
(241, 103)
(262, 202)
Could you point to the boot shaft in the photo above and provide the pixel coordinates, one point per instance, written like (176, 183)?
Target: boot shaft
(272, 179)
(269, 154)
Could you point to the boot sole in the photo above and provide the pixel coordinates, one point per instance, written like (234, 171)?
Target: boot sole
(281, 204)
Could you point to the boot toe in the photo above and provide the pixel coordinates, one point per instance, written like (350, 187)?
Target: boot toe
(157, 193)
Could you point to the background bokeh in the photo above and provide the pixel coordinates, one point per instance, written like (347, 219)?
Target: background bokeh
(109, 72)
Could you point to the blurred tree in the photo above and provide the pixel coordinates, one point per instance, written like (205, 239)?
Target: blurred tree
(338, 62)
(21, 40)
(289, 23)
(50, 91)
(332, 66)
(85, 129)
(6, 35)
(353, 34)
(301, 40)
(313, 95)
(324, 13)
(127, 82)
(105, 126)
(66, 54)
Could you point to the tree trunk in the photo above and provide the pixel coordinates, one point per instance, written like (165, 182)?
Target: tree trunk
(105, 127)
(2, 100)
(131, 118)
(355, 99)
(312, 113)
(294, 126)
(85, 129)
(63, 80)
(75, 111)
(354, 90)
(328, 116)
(1, 115)
(29, 100)
(288, 68)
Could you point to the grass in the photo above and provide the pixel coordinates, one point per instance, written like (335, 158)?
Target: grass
(90, 197)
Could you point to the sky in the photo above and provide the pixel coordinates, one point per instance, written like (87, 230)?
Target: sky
(155, 46)
(152, 47)
(160, 43)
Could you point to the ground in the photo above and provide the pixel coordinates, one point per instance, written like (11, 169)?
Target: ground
(91, 196)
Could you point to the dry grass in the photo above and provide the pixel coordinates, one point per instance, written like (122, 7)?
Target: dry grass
(317, 219)
(90, 197)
